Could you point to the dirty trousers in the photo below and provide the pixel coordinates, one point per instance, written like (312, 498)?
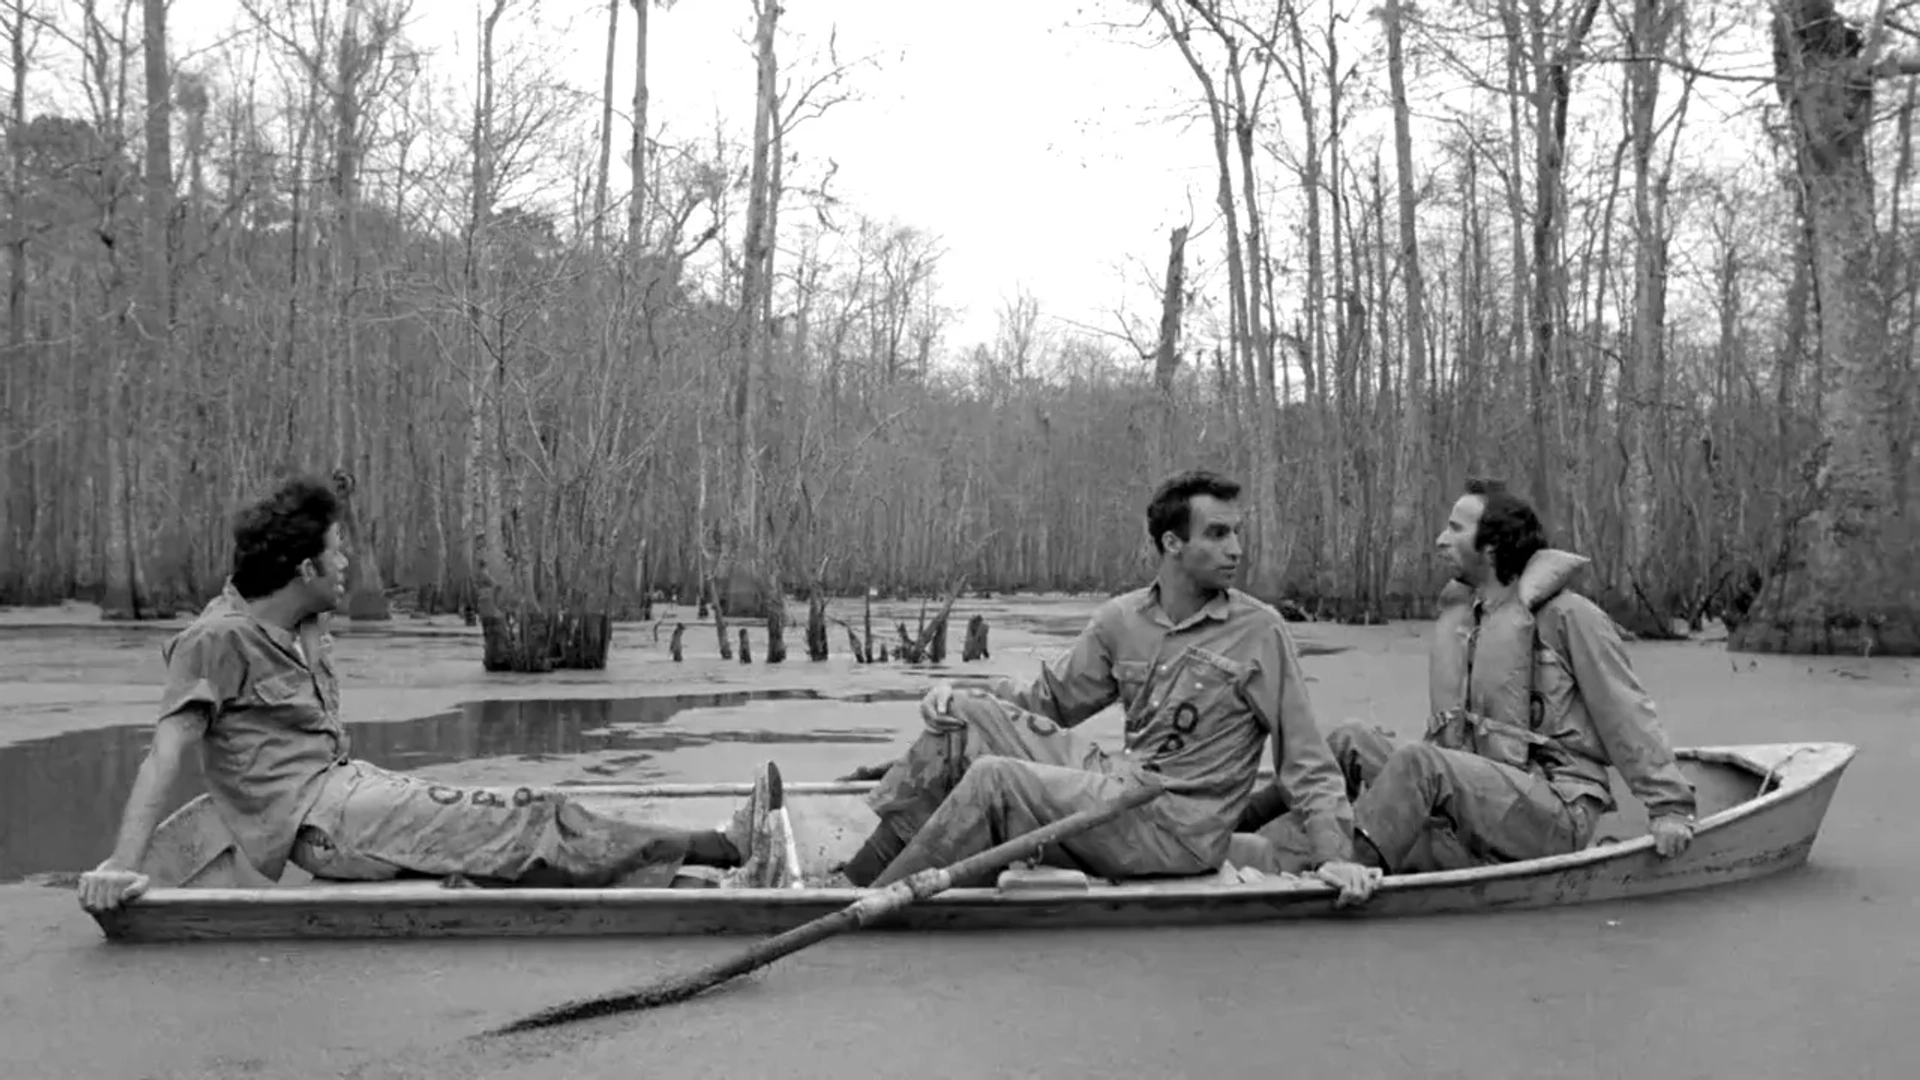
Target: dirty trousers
(989, 772)
(370, 824)
(1425, 808)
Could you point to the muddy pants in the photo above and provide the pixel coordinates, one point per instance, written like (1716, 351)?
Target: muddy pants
(373, 825)
(989, 772)
(1425, 808)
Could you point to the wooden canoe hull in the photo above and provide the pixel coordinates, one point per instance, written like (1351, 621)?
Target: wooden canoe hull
(1741, 837)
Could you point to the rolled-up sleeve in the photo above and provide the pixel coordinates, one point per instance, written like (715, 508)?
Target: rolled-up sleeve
(1623, 714)
(1075, 685)
(1276, 691)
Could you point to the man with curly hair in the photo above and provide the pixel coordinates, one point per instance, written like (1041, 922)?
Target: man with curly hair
(252, 684)
(1532, 698)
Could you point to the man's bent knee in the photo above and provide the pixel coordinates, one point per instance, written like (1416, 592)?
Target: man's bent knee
(1412, 767)
(971, 707)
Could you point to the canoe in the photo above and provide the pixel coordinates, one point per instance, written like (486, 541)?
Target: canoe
(1761, 807)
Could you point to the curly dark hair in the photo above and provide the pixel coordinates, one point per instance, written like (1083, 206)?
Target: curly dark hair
(1508, 523)
(1171, 509)
(273, 536)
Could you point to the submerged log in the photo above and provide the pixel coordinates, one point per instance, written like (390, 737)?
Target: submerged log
(679, 631)
(975, 647)
(817, 627)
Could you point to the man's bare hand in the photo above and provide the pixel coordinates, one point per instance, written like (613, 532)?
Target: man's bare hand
(106, 887)
(1355, 882)
(1671, 835)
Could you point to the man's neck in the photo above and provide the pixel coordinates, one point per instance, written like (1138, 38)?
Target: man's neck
(1491, 593)
(278, 609)
(1180, 597)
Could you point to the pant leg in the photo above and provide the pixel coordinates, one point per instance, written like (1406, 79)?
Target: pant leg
(977, 725)
(1001, 798)
(1361, 751)
(374, 825)
(1434, 809)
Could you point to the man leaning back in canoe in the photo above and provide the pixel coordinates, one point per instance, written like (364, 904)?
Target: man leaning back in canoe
(252, 683)
(1208, 676)
(1532, 699)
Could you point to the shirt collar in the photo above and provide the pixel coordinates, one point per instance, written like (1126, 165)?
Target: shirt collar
(1216, 609)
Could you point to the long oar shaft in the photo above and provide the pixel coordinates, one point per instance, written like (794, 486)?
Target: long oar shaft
(862, 912)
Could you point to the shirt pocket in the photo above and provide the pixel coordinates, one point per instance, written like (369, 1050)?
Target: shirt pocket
(1207, 683)
(281, 688)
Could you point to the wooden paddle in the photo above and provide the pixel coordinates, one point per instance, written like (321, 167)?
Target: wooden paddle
(868, 909)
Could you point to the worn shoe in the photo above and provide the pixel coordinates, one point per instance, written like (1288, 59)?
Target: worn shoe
(759, 831)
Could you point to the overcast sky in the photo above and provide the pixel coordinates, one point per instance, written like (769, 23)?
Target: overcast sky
(1036, 144)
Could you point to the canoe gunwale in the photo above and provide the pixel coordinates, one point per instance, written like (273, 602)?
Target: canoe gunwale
(1793, 770)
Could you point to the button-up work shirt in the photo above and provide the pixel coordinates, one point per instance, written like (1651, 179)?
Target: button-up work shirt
(270, 703)
(1202, 696)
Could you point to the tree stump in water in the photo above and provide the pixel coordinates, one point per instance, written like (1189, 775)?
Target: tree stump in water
(936, 639)
(883, 652)
(910, 651)
(518, 639)
(673, 644)
(853, 643)
(975, 647)
(867, 618)
(581, 641)
(746, 655)
(720, 631)
(776, 637)
(817, 627)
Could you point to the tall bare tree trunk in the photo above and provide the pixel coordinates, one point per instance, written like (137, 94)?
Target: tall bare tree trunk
(1413, 485)
(359, 45)
(1852, 587)
(1640, 389)
(606, 129)
(637, 155)
(150, 324)
(1166, 356)
(15, 367)
(747, 553)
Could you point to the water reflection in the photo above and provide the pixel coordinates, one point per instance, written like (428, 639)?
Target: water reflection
(61, 798)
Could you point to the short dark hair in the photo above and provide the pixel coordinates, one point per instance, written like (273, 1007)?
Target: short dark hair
(275, 534)
(1507, 522)
(1171, 509)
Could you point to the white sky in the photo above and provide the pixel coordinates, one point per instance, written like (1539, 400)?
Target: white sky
(1035, 145)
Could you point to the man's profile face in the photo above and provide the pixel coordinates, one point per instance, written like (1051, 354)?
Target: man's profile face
(329, 581)
(1210, 554)
(1455, 542)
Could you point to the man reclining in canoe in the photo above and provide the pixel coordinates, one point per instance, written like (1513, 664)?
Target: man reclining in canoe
(1208, 676)
(1532, 697)
(252, 682)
